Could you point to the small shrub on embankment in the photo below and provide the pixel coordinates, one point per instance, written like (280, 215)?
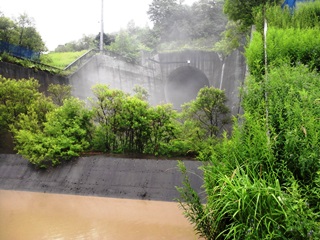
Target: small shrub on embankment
(64, 135)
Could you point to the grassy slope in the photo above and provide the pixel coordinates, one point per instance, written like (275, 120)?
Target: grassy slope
(62, 59)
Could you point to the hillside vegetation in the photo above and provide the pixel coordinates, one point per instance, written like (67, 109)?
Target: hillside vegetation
(61, 59)
(264, 181)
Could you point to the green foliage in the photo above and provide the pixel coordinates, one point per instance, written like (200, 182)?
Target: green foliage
(208, 111)
(86, 43)
(245, 204)
(65, 134)
(22, 32)
(178, 26)
(306, 15)
(58, 93)
(128, 124)
(125, 46)
(194, 210)
(293, 117)
(141, 92)
(164, 129)
(243, 11)
(284, 45)
(107, 107)
(5, 57)
(7, 29)
(231, 39)
(15, 98)
(61, 59)
(263, 182)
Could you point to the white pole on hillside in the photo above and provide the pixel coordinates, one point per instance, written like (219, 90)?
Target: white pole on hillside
(102, 30)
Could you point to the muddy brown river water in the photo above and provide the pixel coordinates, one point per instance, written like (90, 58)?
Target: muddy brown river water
(30, 215)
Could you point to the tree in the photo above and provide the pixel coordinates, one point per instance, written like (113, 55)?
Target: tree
(164, 16)
(107, 39)
(32, 40)
(208, 111)
(207, 19)
(243, 10)
(7, 29)
(125, 46)
(160, 11)
(28, 36)
(106, 109)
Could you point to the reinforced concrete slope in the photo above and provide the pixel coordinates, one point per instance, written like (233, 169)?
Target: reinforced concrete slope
(103, 176)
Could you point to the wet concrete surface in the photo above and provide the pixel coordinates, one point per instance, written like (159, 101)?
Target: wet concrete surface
(148, 179)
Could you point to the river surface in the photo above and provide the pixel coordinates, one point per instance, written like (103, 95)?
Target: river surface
(29, 215)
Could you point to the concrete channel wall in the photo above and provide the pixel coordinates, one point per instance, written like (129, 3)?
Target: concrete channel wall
(103, 176)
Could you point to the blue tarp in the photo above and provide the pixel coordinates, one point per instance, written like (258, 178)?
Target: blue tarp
(291, 3)
(19, 51)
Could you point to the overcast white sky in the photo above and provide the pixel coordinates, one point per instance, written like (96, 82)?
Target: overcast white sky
(62, 21)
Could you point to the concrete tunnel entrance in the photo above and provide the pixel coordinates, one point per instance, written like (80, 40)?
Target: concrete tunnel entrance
(183, 85)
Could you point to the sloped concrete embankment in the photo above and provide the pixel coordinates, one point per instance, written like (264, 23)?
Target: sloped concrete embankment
(100, 176)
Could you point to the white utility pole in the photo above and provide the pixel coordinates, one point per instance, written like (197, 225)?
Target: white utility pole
(102, 30)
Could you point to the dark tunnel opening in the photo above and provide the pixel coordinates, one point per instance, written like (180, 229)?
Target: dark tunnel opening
(183, 85)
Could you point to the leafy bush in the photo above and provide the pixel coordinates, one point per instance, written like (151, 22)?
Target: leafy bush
(208, 112)
(15, 98)
(128, 124)
(65, 134)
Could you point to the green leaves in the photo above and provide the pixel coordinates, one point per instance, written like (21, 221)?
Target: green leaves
(15, 97)
(284, 47)
(128, 124)
(263, 182)
(208, 111)
(65, 133)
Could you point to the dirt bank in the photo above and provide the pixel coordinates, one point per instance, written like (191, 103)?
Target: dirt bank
(100, 176)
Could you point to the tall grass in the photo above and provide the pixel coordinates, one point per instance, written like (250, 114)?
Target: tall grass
(295, 46)
(263, 182)
(306, 15)
(61, 59)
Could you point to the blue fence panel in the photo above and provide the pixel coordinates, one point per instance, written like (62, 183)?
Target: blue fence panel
(19, 51)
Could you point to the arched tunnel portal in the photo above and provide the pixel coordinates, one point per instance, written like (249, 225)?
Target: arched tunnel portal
(183, 85)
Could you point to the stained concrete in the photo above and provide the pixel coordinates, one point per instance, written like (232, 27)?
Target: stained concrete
(103, 176)
(14, 71)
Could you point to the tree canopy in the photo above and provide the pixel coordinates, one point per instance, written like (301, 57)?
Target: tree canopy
(22, 32)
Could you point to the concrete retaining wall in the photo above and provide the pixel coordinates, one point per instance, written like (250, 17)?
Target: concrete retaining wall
(14, 71)
(118, 74)
(100, 176)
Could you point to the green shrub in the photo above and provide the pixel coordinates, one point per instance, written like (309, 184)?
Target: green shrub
(15, 98)
(128, 124)
(66, 133)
